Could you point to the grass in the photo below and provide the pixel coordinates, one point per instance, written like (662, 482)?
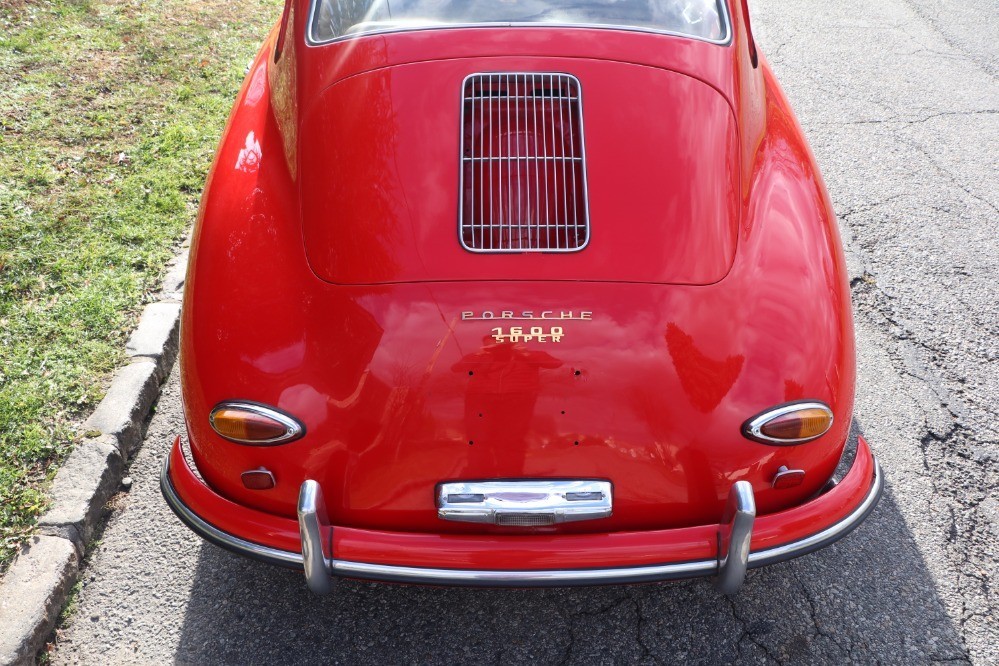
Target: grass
(109, 116)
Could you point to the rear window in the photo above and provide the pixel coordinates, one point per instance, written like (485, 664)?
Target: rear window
(336, 19)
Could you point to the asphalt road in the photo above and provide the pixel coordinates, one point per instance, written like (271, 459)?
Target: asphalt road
(901, 103)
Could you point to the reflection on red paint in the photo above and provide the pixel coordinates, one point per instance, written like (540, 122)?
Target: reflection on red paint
(705, 381)
(504, 381)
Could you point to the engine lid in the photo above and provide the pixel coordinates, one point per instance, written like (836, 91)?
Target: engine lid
(383, 154)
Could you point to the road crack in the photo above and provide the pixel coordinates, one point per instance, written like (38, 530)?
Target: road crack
(959, 474)
(749, 633)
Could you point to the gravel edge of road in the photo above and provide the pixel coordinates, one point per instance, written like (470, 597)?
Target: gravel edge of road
(39, 582)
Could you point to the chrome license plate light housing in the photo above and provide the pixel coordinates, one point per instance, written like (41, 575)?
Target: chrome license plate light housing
(525, 502)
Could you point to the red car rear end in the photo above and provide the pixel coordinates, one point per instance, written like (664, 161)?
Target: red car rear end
(515, 305)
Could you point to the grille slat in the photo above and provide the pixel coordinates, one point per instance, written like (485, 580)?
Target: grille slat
(537, 175)
(565, 181)
(472, 172)
(518, 211)
(523, 182)
(531, 97)
(487, 219)
(514, 158)
(527, 181)
(555, 188)
(508, 218)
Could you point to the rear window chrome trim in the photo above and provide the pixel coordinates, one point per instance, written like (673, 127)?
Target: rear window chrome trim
(726, 19)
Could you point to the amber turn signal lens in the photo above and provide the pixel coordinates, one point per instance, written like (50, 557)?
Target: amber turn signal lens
(793, 423)
(801, 424)
(248, 423)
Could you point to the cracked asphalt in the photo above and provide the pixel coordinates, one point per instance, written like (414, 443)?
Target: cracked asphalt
(900, 101)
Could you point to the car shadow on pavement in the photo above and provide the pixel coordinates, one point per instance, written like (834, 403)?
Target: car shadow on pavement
(869, 597)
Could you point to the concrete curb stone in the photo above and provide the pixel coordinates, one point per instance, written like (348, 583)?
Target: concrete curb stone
(82, 486)
(35, 588)
(173, 283)
(124, 408)
(33, 594)
(156, 336)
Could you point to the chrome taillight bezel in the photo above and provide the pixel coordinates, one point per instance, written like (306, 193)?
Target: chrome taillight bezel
(752, 428)
(293, 428)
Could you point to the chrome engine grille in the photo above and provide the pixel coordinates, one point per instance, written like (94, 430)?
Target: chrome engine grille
(523, 175)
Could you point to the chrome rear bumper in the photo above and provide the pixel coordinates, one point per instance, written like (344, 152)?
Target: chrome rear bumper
(320, 567)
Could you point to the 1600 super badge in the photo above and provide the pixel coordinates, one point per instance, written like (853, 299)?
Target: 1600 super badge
(518, 334)
(531, 333)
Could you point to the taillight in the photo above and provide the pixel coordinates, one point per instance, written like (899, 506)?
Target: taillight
(250, 423)
(792, 423)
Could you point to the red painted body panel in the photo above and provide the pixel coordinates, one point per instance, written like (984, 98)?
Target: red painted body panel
(326, 279)
(675, 137)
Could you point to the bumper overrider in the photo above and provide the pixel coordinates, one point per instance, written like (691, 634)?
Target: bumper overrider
(741, 541)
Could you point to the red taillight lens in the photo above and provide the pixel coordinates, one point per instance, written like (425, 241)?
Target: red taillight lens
(248, 423)
(258, 479)
(793, 423)
(788, 478)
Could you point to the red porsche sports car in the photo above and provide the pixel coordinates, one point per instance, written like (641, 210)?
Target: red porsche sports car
(516, 293)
